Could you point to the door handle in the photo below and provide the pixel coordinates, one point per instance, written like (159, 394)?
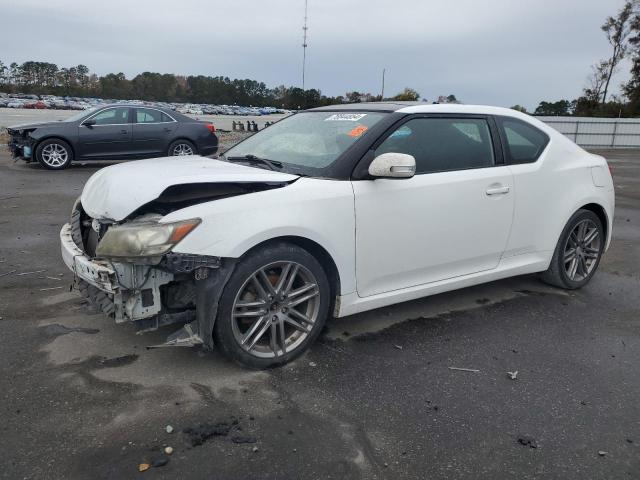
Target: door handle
(124, 132)
(497, 190)
(167, 129)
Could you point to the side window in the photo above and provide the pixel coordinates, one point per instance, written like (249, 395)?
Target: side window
(112, 116)
(442, 144)
(166, 118)
(525, 142)
(146, 115)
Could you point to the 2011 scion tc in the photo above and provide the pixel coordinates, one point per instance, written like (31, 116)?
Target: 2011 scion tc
(335, 211)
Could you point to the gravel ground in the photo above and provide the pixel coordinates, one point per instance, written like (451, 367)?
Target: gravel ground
(375, 398)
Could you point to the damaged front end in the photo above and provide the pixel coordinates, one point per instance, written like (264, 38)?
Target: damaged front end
(21, 143)
(128, 271)
(120, 245)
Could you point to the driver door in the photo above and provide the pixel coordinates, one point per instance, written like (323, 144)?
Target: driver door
(451, 219)
(109, 137)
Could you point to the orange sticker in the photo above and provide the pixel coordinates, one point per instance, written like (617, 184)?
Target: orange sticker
(357, 131)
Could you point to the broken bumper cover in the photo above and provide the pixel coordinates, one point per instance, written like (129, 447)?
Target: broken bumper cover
(100, 275)
(134, 289)
(20, 145)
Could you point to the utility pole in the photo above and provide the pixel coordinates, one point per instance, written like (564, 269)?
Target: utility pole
(304, 42)
(382, 93)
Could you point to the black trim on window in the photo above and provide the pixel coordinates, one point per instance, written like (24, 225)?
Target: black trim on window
(509, 159)
(361, 170)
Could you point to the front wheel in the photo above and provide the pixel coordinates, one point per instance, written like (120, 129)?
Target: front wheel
(273, 307)
(578, 252)
(54, 154)
(180, 148)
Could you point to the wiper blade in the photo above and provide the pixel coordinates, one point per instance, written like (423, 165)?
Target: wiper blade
(272, 164)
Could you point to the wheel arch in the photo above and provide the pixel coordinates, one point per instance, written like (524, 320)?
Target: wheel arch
(602, 215)
(318, 251)
(51, 136)
(182, 137)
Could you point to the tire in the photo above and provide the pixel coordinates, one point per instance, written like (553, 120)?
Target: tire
(263, 324)
(181, 146)
(573, 271)
(54, 154)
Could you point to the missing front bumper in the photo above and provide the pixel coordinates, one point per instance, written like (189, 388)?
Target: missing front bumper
(133, 289)
(136, 291)
(20, 145)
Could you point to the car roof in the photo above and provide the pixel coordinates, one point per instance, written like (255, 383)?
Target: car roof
(420, 107)
(368, 106)
(172, 113)
(130, 105)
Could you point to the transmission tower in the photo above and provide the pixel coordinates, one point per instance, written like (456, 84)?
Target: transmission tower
(304, 42)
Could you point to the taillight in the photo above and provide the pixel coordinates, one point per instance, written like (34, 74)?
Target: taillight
(211, 127)
(610, 169)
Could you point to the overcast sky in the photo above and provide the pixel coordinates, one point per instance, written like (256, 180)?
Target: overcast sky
(498, 52)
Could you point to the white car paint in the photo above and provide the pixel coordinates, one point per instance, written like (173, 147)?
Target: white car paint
(391, 240)
(116, 191)
(430, 227)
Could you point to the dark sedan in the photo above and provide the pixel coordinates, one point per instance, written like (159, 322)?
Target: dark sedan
(116, 132)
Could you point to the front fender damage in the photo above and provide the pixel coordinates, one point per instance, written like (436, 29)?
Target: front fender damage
(209, 285)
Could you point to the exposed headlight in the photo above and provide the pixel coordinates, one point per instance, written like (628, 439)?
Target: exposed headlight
(143, 239)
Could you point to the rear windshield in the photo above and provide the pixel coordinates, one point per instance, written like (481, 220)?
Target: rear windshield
(310, 140)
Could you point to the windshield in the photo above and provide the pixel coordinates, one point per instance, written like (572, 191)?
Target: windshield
(80, 115)
(310, 140)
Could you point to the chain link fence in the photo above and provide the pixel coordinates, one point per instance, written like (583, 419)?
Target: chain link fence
(598, 132)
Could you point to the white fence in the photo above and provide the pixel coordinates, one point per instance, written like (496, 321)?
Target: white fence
(598, 132)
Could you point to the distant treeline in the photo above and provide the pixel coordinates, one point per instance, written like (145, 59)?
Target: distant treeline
(43, 78)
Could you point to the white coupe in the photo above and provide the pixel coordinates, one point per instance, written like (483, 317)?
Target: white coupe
(331, 212)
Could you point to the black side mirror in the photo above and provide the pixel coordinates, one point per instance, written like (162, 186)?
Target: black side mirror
(89, 123)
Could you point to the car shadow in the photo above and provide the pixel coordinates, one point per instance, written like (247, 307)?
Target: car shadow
(373, 321)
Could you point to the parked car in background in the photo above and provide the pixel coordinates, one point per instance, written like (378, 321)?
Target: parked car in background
(36, 105)
(336, 211)
(117, 132)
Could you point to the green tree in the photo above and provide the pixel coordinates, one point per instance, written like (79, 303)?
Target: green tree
(353, 97)
(407, 95)
(617, 29)
(559, 108)
(115, 85)
(519, 108)
(3, 72)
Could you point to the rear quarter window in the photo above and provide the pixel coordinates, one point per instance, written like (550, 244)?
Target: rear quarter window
(524, 143)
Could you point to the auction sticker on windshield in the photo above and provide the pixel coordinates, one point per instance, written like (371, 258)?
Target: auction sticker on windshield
(357, 131)
(345, 117)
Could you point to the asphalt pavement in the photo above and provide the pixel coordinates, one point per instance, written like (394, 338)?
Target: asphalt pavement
(375, 398)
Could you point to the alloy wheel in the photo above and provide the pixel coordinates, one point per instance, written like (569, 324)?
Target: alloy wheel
(182, 149)
(275, 309)
(582, 250)
(54, 155)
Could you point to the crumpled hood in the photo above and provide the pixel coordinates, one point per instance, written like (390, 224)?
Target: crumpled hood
(115, 192)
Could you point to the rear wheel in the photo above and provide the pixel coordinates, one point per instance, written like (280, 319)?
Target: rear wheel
(273, 307)
(180, 148)
(578, 252)
(54, 154)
